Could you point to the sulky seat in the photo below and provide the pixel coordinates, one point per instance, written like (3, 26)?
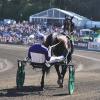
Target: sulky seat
(37, 60)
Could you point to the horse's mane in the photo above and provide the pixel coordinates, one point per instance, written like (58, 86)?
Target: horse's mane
(48, 41)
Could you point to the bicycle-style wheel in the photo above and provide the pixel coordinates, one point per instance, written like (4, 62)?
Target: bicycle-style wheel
(71, 82)
(20, 77)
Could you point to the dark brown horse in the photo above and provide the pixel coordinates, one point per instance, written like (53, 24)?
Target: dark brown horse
(63, 46)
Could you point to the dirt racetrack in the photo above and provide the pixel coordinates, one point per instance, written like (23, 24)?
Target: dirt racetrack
(87, 82)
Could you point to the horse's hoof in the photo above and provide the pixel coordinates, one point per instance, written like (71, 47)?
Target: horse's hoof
(60, 85)
(58, 82)
(42, 88)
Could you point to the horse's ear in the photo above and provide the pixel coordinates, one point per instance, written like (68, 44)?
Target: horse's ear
(72, 17)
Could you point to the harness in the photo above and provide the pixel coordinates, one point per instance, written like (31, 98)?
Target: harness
(56, 51)
(55, 44)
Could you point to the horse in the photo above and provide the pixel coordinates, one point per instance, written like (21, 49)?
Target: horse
(63, 45)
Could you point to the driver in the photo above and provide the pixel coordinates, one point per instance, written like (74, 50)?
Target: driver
(38, 47)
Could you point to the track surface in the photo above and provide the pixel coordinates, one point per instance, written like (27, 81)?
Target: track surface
(87, 85)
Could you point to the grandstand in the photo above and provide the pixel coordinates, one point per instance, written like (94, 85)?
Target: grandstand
(55, 15)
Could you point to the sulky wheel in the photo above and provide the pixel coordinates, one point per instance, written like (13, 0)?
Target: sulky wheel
(71, 82)
(20, 77)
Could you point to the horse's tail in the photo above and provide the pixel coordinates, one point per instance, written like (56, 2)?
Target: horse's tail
(47, 69)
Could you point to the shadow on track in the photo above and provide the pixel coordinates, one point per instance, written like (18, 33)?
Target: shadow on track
(26, 90)
(32, 90)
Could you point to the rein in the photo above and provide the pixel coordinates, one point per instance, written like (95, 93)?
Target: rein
(50, 48)
(55, 44)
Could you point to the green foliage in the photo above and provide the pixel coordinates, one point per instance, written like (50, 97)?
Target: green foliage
(22, 9)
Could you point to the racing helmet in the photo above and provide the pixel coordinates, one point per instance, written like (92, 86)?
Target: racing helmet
(39, 38)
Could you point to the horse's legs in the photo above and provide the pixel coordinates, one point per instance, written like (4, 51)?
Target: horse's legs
(58, 71)
(64, 67)
(59, 81)
(63, 72)
(42, 79)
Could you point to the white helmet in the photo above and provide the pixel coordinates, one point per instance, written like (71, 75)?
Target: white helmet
(31, 39)
(39, 38)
